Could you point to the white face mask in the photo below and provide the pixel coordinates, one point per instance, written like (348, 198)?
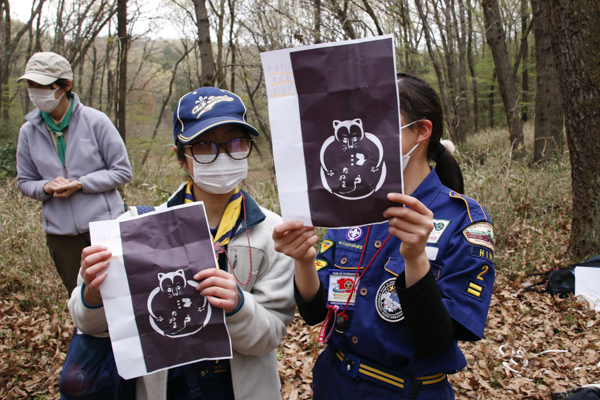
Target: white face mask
(44, 99)
(406, 157)
(220, 176)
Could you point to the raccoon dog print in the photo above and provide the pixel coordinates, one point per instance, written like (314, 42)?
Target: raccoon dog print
(352, 165)
(176, 308)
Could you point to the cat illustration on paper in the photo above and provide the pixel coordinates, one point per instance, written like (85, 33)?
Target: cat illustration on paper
(352, 165)
(176, 308)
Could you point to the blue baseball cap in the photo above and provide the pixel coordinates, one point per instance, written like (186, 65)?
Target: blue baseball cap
(206, 108)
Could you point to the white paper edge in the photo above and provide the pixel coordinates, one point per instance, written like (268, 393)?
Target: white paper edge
(296, 192)
(127, 348)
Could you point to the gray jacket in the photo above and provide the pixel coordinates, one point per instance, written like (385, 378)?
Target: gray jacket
(95, 155)
(256, 329)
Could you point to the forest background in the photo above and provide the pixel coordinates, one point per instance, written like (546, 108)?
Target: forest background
(519, 82)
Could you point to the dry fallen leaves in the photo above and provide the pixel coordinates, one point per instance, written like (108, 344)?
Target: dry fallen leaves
(534, 344)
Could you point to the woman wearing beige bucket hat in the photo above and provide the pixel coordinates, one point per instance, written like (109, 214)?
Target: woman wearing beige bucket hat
(70, 157)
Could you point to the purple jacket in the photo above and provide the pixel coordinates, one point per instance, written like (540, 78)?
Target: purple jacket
(95, 155)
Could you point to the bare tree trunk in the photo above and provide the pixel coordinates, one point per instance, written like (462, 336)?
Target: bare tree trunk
(90, 99)
(123, 50)
(317, 30)
(525, 68)
(491, 101)
(446, 28)
(463, 100)
(373, 16)
(548, 98)
(472, 68)
(437, 65)
(79, 87)
(105, 73)
(506, 81)
(167, 98)
(206, 55)
(8, 45)
(232, 46)
(575, 33)
(407, 36)
(26, 100)
(342, 15)
(58, 46)
(220, 77)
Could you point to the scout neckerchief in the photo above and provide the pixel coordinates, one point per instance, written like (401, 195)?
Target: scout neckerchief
(341, 317)
(60, 140)
(227, 225)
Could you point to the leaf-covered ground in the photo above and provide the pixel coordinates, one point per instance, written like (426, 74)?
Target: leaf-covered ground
(534, 344)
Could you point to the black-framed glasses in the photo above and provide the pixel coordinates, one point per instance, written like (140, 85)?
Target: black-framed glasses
(206, 152)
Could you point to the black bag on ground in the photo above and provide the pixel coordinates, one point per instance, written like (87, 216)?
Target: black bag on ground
(561, 281)
(588, 393)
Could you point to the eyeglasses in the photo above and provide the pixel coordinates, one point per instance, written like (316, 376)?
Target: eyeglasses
(207, 152)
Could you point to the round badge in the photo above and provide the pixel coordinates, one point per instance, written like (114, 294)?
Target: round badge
(354, 234)
(387, 303)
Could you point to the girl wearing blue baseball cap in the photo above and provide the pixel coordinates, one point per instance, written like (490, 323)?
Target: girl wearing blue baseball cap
(213, 141)
(397, 297)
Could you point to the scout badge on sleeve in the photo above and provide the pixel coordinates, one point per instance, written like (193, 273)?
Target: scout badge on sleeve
(334, 115)
(156, 317)
(480, 234)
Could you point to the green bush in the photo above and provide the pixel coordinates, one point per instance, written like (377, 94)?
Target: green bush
(8, 160)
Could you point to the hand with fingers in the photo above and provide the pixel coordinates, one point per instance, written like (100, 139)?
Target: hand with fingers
(219, 288)
(94, 260)
(67, 189)
(62, 187)
(55, 184)
(412, 225)
(296, 241)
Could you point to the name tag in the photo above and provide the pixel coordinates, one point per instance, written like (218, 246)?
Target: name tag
(340, 288)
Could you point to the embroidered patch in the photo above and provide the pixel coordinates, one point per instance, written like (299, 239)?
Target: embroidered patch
(480, 234)
(473, 289)
(439, 226)
(387, 303)
(207, 103)
(350, 246)
(481, 252)
(340, 288)
(320, 264)
(354, 234)
(325, 245)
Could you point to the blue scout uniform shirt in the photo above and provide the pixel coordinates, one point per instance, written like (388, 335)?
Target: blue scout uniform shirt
(460, 249)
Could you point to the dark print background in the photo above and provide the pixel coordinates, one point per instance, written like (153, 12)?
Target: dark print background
(350, 129)
(162, 253)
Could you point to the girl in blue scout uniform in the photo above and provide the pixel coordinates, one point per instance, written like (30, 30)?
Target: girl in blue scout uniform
(253, 283)
(393, 319)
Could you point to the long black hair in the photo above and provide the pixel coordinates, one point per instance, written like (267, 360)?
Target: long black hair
(418, 100)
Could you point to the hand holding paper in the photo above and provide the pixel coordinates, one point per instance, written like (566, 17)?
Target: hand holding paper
(411, 224)
(296, 240)
(93, 271)
(219, 288)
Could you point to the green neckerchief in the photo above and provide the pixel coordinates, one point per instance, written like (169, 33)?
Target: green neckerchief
(60, 140)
